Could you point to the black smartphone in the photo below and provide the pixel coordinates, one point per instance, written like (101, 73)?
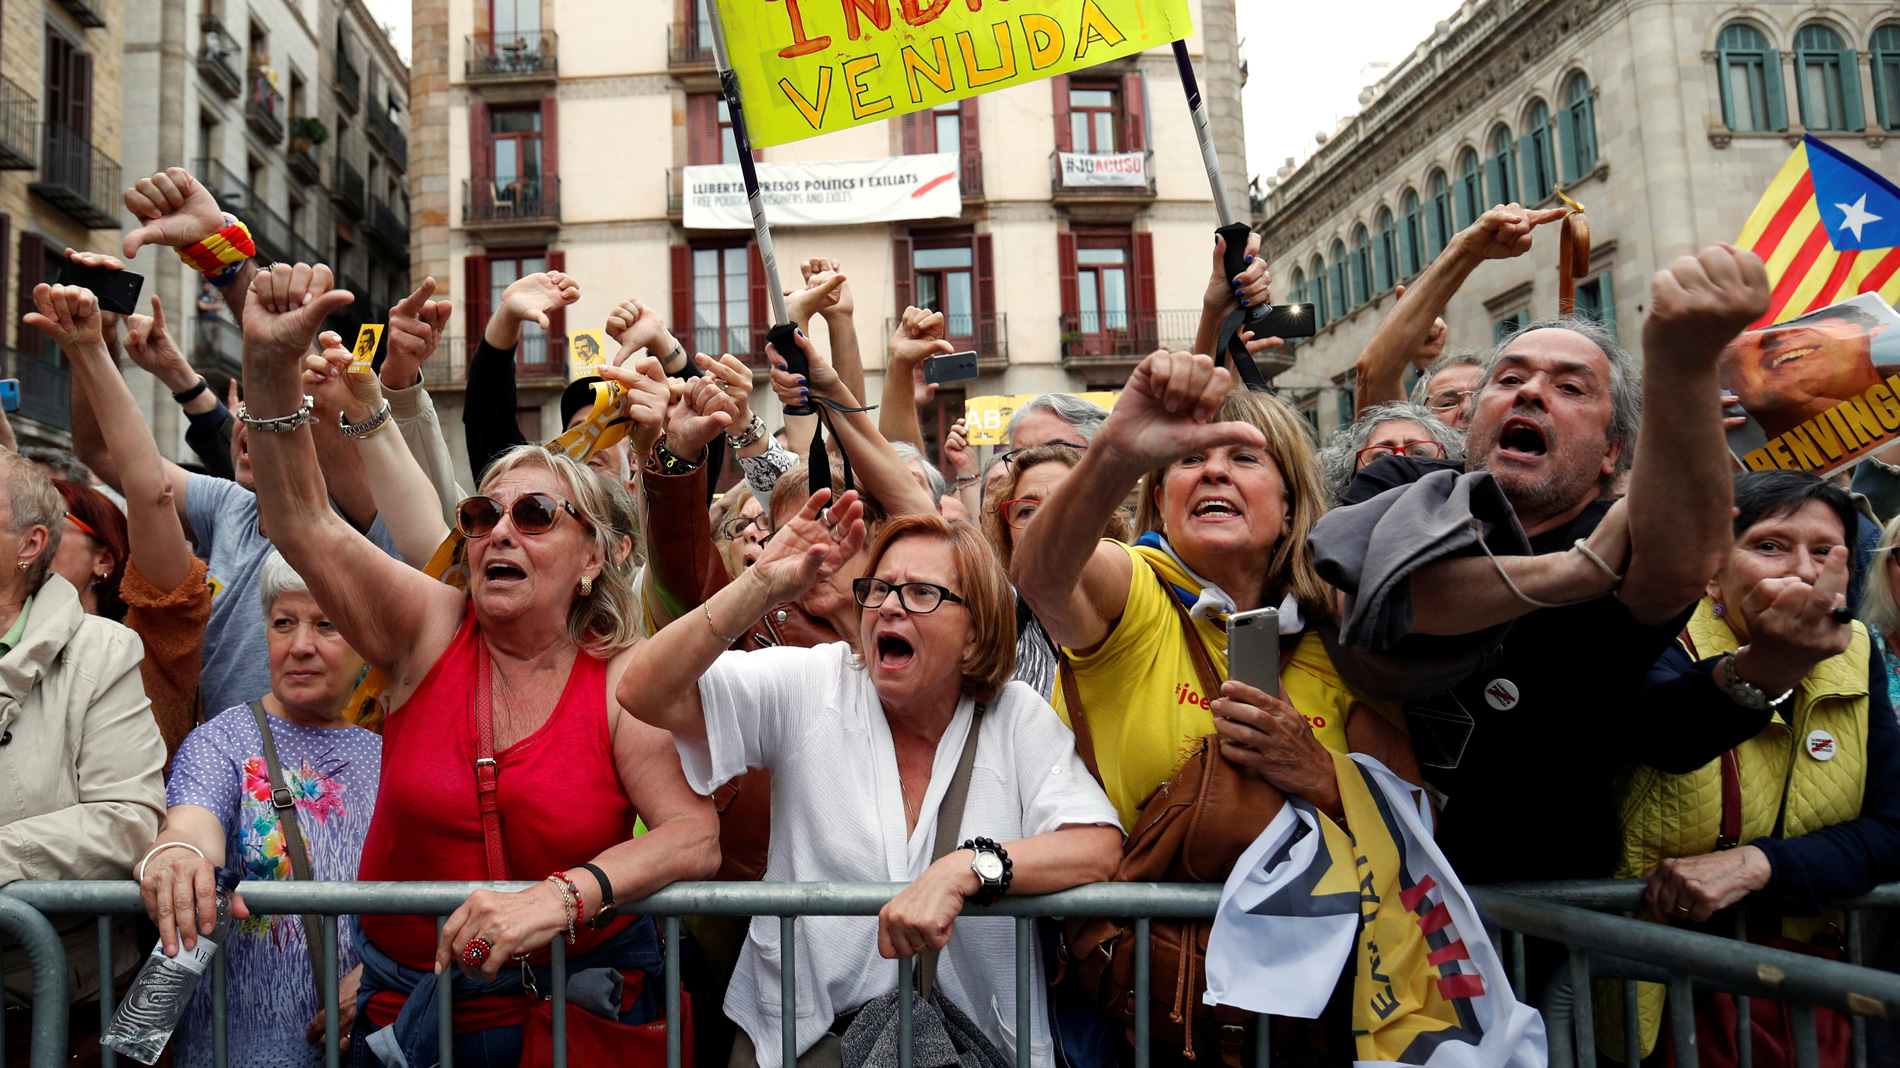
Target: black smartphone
(1285, 321)
(117, 291)
(950, 367)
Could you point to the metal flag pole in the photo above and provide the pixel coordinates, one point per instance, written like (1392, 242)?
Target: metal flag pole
(1235, 234)
(781, 335)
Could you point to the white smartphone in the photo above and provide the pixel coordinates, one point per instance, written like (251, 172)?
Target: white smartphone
(1253, 649)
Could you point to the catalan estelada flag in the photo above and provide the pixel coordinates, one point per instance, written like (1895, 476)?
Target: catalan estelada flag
(1828, 228)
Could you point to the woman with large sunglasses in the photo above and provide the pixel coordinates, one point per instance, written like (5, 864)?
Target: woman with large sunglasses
(504, 756)
(862, 750)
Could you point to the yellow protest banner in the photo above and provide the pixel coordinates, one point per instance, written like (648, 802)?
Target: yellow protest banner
(586, 350)
(363, 353)
(986, 418)
(815, 66)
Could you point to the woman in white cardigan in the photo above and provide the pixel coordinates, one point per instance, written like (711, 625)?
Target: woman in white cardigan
(862, 751)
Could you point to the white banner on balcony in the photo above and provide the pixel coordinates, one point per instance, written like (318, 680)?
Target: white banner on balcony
(1114, 168)
(826, 194)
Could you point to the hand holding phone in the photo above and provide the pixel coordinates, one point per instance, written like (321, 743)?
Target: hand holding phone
(950, 367)
(1253, 649)
(116, 290)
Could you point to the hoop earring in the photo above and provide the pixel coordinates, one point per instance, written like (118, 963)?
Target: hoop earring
(587, 586)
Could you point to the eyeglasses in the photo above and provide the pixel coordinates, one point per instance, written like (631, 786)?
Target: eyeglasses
(922, 598)
(733, 529)
(1447, 399)
(82, 525)
(1426, 449)
(533, 513)
(1009, 458)
(1019, 512)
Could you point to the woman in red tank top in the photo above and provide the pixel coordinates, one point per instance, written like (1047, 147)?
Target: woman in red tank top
(504, 758)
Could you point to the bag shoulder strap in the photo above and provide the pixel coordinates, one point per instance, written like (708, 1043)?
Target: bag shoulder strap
(1078, 719)
(1731, 834)
(1197, 649)
(485, 766)
(284, 803)
(949, 826)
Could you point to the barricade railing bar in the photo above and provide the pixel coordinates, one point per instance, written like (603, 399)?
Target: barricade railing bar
(1577, 915)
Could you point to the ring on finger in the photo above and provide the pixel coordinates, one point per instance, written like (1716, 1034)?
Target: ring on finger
(475, 951)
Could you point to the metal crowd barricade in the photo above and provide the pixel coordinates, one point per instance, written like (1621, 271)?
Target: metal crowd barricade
(1559, 913)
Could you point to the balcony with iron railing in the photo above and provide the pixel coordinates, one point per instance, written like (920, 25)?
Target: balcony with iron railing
(84, 13)
(521, 204)
(385, 132)
(264, 109)
(1119, 339)
(388, 225)
(512, 56)
(302, 158)
(345, 78)
(77, 178)
(45, 388)
(276, 239)
(987, 334)
(540, 360)
(970, 173)
(18, 110)
(1083, 176)
(347, 191)
(689, 47)
(744, 340)
(219, 347)
(218, 58)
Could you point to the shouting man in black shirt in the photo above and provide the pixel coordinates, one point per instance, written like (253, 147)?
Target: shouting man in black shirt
(1524, 787)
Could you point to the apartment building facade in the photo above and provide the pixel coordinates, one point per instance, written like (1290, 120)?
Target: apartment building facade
(544, 144)
(59, 175)
(294, 114)
(1665, 120)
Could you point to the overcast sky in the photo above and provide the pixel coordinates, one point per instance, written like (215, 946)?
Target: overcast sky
(1305, 61)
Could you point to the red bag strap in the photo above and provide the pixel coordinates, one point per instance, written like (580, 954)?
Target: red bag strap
(485, 767)
(1731, 833)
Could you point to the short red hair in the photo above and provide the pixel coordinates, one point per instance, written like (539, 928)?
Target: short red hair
(106, 524)
(985, 592)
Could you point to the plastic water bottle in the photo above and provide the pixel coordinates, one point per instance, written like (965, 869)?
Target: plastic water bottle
(161, 993)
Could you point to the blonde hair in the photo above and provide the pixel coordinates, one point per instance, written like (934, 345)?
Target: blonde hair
(608, 620)
(1878, 607)
(986, 594)
(1290, 445)
(996, 527)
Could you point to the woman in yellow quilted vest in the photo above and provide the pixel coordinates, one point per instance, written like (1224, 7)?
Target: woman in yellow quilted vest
(1770, 769)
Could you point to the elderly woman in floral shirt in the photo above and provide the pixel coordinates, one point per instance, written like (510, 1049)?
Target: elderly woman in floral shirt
(220, 815)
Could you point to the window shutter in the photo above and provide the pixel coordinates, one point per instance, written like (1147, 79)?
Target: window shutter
(1065, 270)
(474, 299)
(1061, 89)
(986, 332)
(550, 144)
(1134, 114)
(1771, 78)
(1608, 296)
(556, 352)
(1882, 107)
(1567, 145)
(760, 310)
(905, 287)
(1722, 61)
(684, 326)
(1494, 184)
(970, 152)
(1527, 162)
(32, 271)
(1855, 116)
(481, 150)
(702, 128)
(81, 117)
(1144, 295)
(912, 129)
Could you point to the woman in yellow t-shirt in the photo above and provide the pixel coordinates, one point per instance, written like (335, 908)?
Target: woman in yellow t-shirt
(1225, 508)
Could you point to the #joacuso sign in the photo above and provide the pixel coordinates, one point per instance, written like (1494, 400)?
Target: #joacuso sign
(807, 67)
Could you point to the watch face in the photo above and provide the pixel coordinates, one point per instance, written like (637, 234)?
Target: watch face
(988, 867)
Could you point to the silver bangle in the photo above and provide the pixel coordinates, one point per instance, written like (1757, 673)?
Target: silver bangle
(753, 432)
(282, 424)
(368, 426)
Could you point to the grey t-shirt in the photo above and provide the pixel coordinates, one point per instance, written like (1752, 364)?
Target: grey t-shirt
(224, 521)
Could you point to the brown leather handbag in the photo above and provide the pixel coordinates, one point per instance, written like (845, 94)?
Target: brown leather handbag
(1191, 830)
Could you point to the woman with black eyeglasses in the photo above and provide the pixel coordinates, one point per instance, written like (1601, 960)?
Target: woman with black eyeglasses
(504, 756)
(862, 751)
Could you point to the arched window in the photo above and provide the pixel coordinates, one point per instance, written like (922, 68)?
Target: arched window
(1886, 61)
(1438, 217)
(1579, 129)
(1827, 80)
(1316, 292)
(1411, 235)
(1500, 171)
(1361, 265)
(1540, 164)
(1469, 198)
(1299, 286)
(1750, 76)
(1385, 250)
(1336, 295)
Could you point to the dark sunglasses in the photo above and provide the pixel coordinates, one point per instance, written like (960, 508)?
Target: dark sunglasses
(533, 513)
(922, 598)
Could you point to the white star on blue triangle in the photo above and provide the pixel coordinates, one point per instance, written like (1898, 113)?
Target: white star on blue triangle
(1860, 209)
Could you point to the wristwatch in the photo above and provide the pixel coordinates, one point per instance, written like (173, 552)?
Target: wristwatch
(992, 868)
(1746, 694)
(608, 910)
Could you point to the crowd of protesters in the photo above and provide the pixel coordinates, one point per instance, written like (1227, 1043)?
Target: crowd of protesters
(311, 654)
